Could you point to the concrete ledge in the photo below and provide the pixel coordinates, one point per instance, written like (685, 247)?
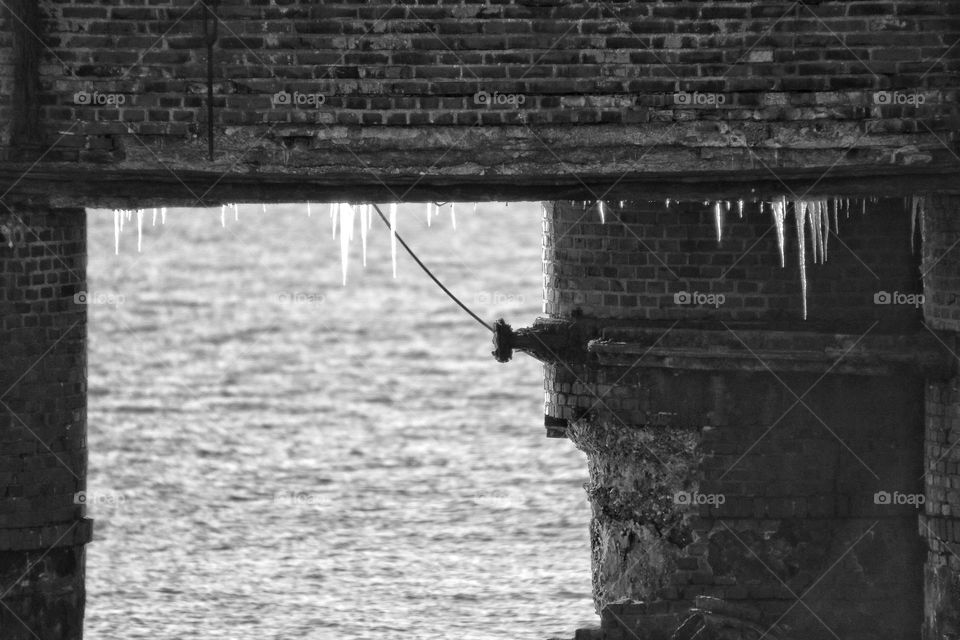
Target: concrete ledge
(143, 186)
(67, 534)
(754, 350)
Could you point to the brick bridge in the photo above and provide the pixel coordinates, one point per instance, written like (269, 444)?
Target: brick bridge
(768, 471)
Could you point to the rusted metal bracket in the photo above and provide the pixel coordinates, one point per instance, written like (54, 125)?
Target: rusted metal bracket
(547, 341)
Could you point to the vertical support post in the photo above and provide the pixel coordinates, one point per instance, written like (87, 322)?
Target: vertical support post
(43, 443)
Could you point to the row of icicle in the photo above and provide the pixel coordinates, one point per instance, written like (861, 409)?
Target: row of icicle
(343, 215)
(811, 215)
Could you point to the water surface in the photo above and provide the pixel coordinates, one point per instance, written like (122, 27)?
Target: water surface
(274, 455)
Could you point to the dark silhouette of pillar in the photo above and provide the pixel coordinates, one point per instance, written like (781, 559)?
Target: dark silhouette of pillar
(43, 447)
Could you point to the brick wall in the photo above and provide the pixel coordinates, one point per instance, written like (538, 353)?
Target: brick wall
(6, 78)
(646, 253)
(43, 455)
(940, 526)
(941, 262)
(758, 84)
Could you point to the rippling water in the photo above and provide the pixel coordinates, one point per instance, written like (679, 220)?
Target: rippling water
(273, 455)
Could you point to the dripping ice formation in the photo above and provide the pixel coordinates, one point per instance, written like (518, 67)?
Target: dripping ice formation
(121, 215)
(364, 226)
(800, 214)
(346, 214)
(718, 220)
(779, 208)
(812, 216)
(393, 236)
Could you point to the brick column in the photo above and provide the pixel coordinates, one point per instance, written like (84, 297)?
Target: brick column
(737, 452)
(940, 524)
(43, 454)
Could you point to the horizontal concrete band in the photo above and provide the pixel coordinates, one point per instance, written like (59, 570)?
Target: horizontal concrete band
(64, 534)
(67, 185)
(745, 350)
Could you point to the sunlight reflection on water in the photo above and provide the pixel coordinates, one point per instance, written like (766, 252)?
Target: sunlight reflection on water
(273, 455)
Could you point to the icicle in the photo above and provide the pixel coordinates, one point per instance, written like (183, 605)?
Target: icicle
(154, 222)
(223, 215)
(799, 213)
(308, 210)
(779, 215)
(718, 220)
(349, 222)
(453, 215)
(163, 215)
(667, 203)
(621, 204)
(740, 208)
(393, 236)
(116, 231)
(836, 214)
(603, 216)
(429, 212)
(364, 216)
(812, 224)
(825, 227)
(346, 230)
(263, 207)
(139, 229)
(123, 215)
(236, 212)
(474, 208)
(813, 219)
(864, 211)
(334, 216)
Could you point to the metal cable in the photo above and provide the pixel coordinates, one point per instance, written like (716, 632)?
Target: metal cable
(428, 272)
